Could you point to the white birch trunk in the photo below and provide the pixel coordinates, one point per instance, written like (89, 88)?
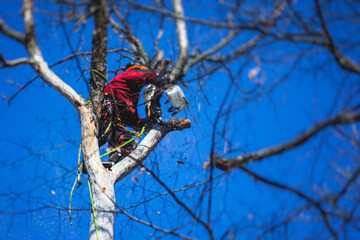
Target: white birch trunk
(104, 204)
(102, 186)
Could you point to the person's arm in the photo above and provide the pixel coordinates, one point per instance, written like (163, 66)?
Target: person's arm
(144, 77)
(131, 118)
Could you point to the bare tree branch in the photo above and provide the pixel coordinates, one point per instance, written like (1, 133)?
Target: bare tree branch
(253, 30)
(347, 185)
(274, 226)
(154, 226)
(152, 139)
(235, 54)
(130, 37)
(159, 53)
(182, 41)
(322, 38)
(11, 33)
(342, 118)
(208, 52)
(182, 204)
(184, 188)
(233, 32)
(38, 62)
(215, 24)
(316, 204)
(13, 63)
(349, 216)
(341, 59)
(174, 15)
(61, 61)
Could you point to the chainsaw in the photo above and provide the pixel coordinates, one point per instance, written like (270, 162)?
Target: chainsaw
(174, 94)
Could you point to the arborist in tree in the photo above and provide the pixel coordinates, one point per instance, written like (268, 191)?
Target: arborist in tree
(120, 108)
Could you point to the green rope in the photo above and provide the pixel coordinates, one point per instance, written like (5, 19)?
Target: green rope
(70, 201)
(102, 75)
(78, 176)
(93, 211)
(139, 135)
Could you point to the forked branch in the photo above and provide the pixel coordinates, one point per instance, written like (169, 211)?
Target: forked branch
(152, 139)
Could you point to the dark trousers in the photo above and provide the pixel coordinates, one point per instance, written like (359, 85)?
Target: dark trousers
(115, 136)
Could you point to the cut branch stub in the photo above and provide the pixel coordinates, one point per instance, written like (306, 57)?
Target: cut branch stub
(177, 124)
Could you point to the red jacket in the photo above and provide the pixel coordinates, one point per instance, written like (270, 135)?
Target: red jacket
(126, 88)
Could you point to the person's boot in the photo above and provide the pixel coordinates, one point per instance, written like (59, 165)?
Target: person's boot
(116, 157)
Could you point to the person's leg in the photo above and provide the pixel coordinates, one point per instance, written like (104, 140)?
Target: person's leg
(119, 137)
(104, 129)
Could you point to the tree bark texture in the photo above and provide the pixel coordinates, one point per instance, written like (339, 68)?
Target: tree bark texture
(182, 40)
(101, 184)
(103, 196)
(98, 56)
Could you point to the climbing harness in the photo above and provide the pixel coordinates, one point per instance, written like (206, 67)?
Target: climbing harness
(108, 105)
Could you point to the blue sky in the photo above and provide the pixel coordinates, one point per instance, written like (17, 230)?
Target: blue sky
(39, 120)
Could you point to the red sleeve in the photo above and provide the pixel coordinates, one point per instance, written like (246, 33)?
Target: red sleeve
(131, 117)
(143, 77)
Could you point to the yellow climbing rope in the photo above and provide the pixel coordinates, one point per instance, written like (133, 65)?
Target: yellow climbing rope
(93, 210)
(137, 135)
(78, 178)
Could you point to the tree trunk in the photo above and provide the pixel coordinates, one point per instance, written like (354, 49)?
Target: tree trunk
(102, 185)
(104, 205)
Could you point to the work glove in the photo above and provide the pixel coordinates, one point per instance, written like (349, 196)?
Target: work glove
(161, 79)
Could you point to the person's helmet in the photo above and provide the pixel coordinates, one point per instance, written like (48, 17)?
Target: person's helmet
(133, 65)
